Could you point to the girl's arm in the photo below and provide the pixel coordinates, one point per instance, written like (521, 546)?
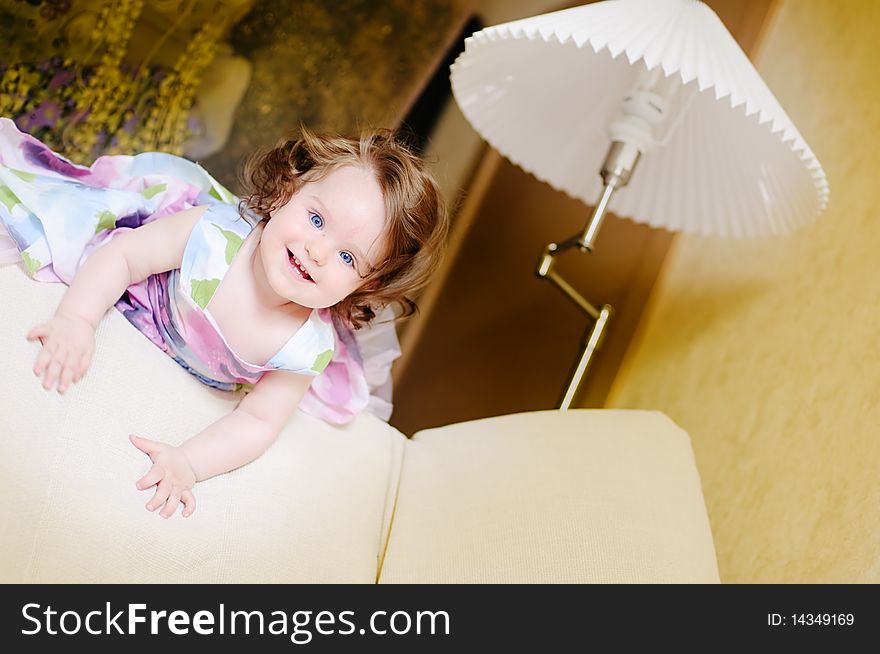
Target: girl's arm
(229, 443)
(69, 337)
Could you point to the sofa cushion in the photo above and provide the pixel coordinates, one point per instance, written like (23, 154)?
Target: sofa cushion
(574, 496)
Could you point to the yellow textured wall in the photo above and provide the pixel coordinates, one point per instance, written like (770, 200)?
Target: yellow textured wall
(768, 351)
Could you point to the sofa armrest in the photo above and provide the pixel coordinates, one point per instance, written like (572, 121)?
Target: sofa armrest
(314, 508)
(553, 496)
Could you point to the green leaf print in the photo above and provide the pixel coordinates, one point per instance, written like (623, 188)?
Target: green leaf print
(322, 360)
(30, 263)
(21, 174)
(8, 198)
(106, 220)
(233, 243)
(221, 193)
(150, 191)
(202, 290)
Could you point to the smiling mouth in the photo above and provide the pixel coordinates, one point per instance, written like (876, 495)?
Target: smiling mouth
(298, 267)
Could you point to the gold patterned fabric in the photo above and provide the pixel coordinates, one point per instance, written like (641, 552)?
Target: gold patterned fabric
(120, 76)
(82, 93)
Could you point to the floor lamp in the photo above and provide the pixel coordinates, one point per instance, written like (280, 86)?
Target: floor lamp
(658, 83)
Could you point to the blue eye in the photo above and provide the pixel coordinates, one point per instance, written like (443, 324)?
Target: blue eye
(316, 220)
(347, 258)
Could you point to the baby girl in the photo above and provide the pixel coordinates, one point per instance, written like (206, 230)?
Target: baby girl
(242, 295)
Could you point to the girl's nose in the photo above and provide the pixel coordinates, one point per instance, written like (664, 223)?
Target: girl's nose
(316, 253)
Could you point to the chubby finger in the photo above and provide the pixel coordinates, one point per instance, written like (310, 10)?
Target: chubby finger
(38, 332)
(44, 358)
(171, 505)
(51, 376)
(163, 490)
(189, 503)
(67, 372)
(145, 445)
(154, 476)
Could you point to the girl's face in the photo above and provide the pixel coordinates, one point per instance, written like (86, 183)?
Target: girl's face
(316, 248)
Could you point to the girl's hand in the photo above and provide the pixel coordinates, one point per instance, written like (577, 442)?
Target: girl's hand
(172, 475)
(68, 345)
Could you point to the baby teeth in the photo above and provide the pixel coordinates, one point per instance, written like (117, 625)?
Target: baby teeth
(299, 265)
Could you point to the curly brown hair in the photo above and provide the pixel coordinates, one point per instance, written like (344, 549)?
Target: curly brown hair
(416, 218)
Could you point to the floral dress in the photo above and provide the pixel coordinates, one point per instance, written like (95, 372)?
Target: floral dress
(57, 213)
(172, 310)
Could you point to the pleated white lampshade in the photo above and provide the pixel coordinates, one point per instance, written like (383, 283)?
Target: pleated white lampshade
(544, 90)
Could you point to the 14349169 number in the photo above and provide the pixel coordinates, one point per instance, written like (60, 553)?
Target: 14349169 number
(826, 619)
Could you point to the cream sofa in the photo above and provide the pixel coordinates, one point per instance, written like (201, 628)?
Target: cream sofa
(577, 496)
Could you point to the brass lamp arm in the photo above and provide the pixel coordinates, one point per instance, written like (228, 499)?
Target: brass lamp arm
(583, 241)
(545, 270)
(616, 170)
(593, 336)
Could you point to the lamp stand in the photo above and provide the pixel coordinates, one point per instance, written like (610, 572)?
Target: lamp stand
(616, 171)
